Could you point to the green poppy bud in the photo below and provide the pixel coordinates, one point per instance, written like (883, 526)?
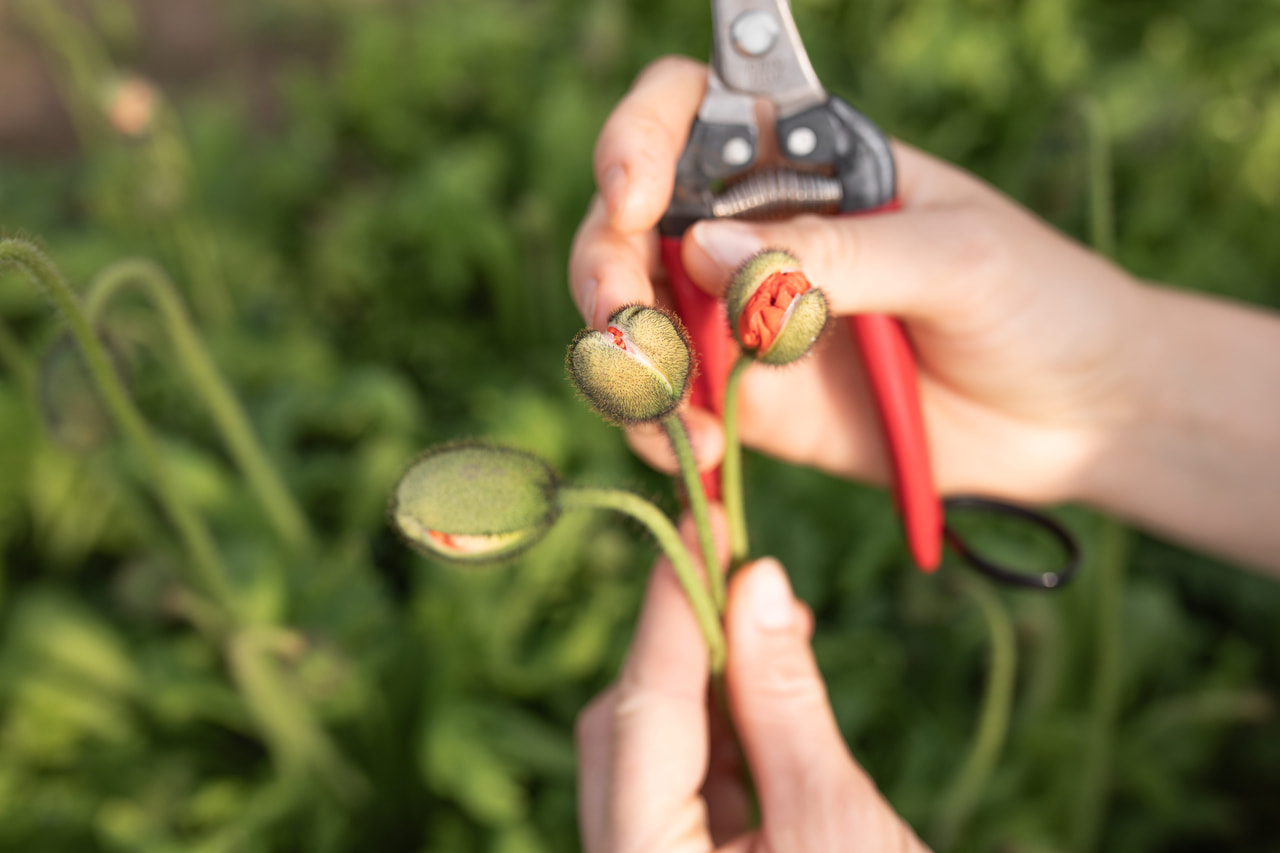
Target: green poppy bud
(775, 314)
(474, 502)
(636, 371)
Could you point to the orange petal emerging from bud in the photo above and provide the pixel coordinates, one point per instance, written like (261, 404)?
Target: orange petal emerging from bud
(775, 313)
(637, 370)
(762, 318)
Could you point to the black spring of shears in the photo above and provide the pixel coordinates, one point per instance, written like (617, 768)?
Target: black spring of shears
(1003, 574)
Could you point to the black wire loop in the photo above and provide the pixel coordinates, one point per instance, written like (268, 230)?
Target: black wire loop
(1003, 574)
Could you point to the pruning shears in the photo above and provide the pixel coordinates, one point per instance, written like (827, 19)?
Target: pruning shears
(834, 161)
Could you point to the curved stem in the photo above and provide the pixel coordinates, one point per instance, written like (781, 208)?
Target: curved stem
(993, 724)
(698, 506)
(576, 497)
(206, 561)
(731, 472)
(228, 415)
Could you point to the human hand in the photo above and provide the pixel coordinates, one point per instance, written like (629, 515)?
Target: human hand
(1023, 337)
(655, 772)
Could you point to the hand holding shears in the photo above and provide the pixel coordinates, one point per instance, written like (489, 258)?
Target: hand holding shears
(1016, 365)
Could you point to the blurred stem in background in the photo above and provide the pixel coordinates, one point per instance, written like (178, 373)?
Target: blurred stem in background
(967, 788)
(210, 386)
(298, 742)
(90, 82)
(1095, 779)
(210, 572)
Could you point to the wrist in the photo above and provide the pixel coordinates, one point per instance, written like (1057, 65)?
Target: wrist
(1194, 453)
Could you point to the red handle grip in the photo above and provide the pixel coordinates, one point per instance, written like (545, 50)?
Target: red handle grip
(704, 316)
(891, 367)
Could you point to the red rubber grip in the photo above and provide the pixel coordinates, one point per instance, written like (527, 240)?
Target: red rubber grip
(704, 316)
(891, 366)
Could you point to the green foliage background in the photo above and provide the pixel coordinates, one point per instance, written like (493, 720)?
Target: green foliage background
(386, 270)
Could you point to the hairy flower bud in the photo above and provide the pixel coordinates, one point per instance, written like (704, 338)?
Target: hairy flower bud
(474, 502)
(775, 314)
(638, 370)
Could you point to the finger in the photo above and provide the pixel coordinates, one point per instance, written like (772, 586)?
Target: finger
(660, 727)
(813, 796)
(922, 265)
(636, 154)
(593, 734)
(650, 442)
(609, 269)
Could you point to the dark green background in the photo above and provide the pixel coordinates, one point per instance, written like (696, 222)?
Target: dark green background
(392, 248)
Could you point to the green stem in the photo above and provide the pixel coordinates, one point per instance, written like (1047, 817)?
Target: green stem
(993, 723)
(698, 506)
(731, 472)
(83, 68)
(199, 252)
(1108, 684)
(576, 497)
(205, 559)
(301, 748)
(228, 415)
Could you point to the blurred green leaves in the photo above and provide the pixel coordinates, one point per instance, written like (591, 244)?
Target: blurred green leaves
(383, 269)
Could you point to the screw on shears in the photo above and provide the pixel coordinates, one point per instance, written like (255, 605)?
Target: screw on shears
(831, 159)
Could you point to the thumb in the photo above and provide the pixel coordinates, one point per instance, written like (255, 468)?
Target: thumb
(813, 796)
(911, 263)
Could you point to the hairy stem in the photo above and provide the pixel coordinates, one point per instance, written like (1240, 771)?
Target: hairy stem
(228, 415)
(993, 723)
(704, 610)
(731, 471)
(698, 506)
(206, 562)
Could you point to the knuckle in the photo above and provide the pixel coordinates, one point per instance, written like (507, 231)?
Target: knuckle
(828, 245)
(793, 681)
(982, 251)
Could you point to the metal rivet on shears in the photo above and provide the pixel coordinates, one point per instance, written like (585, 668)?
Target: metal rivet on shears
(755, 33)
(736, 152)
(802, 142)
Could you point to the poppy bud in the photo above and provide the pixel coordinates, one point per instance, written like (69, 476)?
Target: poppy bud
(131, 104)
(636, 371)
(775, 314)
(475, 503)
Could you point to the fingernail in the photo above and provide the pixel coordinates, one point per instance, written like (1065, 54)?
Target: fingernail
(614, 189)
(588, 298)
(729, 244)
(772, 605)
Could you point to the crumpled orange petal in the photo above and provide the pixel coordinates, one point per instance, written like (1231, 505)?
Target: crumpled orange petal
(761, 319)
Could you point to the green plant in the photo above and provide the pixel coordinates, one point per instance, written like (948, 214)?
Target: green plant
(392, 241)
